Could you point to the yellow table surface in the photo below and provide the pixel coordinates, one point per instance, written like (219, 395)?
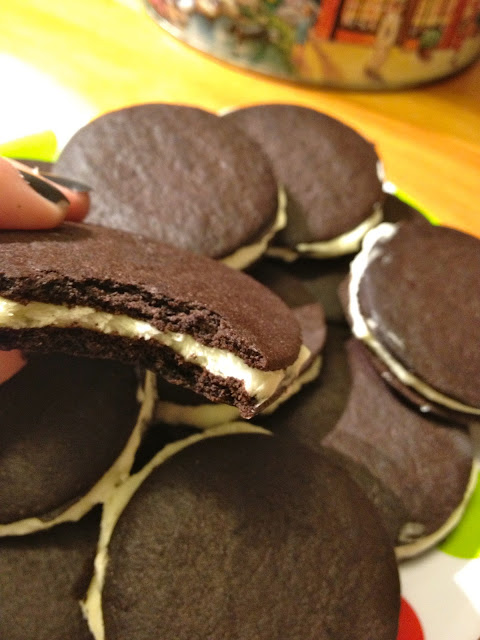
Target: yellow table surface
(110, 53)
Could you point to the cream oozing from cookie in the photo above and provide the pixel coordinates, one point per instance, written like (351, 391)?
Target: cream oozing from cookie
(208, 415)
(345, 243)
(412, 541)
(261, 385)
(361, 327)
(245, 256)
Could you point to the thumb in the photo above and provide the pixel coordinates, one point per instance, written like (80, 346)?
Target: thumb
(25, 207)
(10, 363)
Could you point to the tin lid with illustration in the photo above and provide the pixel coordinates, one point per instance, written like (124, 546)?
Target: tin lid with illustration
(358, 44)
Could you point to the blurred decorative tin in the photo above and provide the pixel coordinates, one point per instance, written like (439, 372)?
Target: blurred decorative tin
(359, 44)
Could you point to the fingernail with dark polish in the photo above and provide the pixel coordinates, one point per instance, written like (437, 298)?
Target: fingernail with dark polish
(74, 185)
(43, 187)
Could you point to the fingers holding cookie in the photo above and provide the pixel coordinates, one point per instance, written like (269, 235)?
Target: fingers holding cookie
(31, 201)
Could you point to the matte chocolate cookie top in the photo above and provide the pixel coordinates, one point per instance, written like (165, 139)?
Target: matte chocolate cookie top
(177, 174)
(178, 406)
(399, 456)
(189, 317)
(330, 173)
(418, 470)
(66, 422)
(248, 536)
(43, 577)
(414, 298)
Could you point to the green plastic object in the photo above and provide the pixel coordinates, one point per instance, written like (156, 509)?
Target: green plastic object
(403, 196)
(464, 540)
(38, 146)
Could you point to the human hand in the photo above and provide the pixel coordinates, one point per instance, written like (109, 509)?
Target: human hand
(29, 201)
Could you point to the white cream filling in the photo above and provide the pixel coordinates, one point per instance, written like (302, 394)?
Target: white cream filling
(245, 256)
(114, 476)
(410, 534)
(345, 243)
(208, 415)
(260, 385)
(361, 328)
(116, 503)
(202, 416)
(381, 171)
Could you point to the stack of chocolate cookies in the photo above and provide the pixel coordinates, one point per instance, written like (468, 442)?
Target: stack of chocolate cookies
(247, 395)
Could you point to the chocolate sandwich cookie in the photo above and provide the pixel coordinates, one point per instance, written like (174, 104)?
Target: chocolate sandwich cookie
(178, 406)
(332, 177)
(310, 415)
(322, 278)
(419, 471)
(70, 429)
(180, 175)
(89, 290)
(43, 578)
(397, 210)
(245, 536)
(414, 299)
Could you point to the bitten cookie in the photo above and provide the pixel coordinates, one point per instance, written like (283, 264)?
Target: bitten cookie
(89, 290)
(332, 177)
(176, 405)
(180, 175)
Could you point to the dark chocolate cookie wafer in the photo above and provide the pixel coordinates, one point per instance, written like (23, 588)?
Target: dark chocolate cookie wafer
(322, 278)
(176, 405)
(312, 414)
(70, 429)
(180, 175)
(43, 578)
(416, 470)
(425, 464)
(414, 298)
(108, 293)
(248, 536)
(330, 173)
(397, 210)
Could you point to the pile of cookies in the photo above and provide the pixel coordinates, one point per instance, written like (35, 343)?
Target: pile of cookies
(250, 386)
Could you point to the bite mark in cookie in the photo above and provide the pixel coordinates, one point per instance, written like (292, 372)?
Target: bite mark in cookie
(89, 290)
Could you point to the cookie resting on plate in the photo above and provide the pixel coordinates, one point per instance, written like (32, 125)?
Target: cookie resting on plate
(244, 536)
(332, 177)
(180, 175)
